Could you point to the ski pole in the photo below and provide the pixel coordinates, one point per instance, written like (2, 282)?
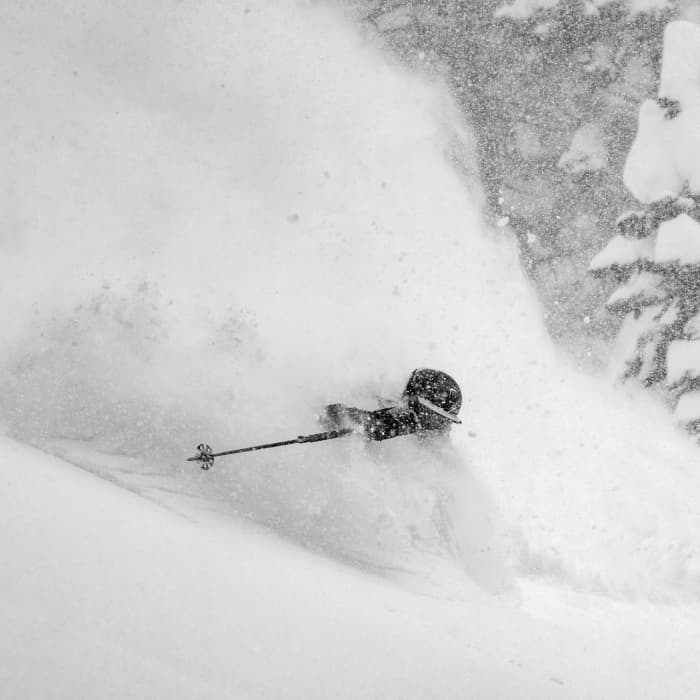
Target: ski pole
(206, 456)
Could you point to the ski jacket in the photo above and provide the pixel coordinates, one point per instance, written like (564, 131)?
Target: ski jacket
(382, 424)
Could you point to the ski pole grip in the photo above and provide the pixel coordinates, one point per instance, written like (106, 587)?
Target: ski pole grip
(320, 437)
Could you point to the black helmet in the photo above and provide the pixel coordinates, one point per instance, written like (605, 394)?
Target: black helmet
(435, 397)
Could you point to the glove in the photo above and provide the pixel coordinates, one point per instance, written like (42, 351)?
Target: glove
(333, 417)
(337, 416)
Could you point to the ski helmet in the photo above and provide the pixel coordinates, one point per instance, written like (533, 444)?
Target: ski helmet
(435, 397)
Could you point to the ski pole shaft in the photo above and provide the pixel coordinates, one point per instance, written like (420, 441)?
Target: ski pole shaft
(206, 456)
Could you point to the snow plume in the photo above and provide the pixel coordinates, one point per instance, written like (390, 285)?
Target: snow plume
(220, 217)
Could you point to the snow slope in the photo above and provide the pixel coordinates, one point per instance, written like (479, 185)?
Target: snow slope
(104, 594)
(220, 217)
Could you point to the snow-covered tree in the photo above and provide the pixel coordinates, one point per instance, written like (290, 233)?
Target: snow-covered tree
(551, 88)
(656, 255)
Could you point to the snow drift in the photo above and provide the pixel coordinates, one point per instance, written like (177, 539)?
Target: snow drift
(104, 594)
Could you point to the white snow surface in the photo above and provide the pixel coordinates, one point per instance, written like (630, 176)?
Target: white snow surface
(683, 358)
(524, 9)
(218, 218)
(586, 153)
(651, 172)
(678, 240)
(664, 155)
(688, 408)
(622, 251)
(640, 286)
(105, 594)
(692, 328)
(650, 6)
(680, 68)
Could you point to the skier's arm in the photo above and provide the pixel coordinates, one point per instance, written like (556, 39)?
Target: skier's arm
(376, 425)
(337, 416)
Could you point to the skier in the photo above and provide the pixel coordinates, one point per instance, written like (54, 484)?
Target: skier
(430, 404)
